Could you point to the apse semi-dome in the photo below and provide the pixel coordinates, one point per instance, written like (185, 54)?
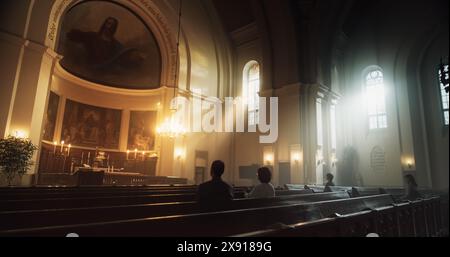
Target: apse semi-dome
(108, 44)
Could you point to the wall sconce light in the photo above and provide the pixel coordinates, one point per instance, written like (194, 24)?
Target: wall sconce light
(319, 156)
(334, 160)
(268, 158)
(296, 157)
(179, 153)
(408, 163)
(20, 134)
(319, 160)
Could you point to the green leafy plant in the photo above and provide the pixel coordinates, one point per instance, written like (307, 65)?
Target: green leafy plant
(15, 157)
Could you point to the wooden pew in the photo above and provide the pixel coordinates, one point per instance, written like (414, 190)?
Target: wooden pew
(382, 221)
(125, 199)
(39, 189)
(85, 192)
(113, 192)
(365, 191)
(108, 193)
(58, 203)
(293, 192)
(294, 186)
(319, 189)
(47, 217)
(223, 223)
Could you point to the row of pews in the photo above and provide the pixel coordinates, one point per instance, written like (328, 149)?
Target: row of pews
(167, 211)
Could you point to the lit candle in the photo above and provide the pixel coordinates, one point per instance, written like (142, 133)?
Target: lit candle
(128, 152)
(68, 150)
(135, 153)
(54, 147)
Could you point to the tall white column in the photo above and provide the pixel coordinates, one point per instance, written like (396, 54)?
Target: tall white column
(29, 99)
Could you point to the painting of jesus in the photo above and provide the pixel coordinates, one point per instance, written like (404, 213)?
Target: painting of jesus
(108, 44)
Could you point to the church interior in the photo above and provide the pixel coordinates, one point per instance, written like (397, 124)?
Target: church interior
(114, 112)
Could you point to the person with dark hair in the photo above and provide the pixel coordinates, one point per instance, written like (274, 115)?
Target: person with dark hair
(265, 189)
(329, 183)
(411, 189)
(215, 192)
(330, 178)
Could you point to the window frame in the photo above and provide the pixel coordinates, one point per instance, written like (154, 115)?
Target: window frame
(441, 103)
(377, 114)
(254, 111)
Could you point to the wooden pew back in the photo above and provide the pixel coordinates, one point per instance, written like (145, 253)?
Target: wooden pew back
(46, 217)
(223, 223)
(388, 221)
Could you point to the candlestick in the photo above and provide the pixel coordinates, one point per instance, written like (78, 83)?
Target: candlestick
(89, 158)
(82, 158)
(128, 152)
(54, 147)
(62, 146)
(135, 153)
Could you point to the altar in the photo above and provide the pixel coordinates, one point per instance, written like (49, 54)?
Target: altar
(102, 176)
(86, 167)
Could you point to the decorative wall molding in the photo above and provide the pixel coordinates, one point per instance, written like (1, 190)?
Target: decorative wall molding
(65, 75)
(58, 10)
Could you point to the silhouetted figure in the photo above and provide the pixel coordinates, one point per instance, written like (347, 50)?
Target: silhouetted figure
(215, 192)
(411, 189)
(329, 183)
(354, 192)
(265, 189)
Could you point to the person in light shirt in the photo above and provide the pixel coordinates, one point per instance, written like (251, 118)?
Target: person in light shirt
(265, 189)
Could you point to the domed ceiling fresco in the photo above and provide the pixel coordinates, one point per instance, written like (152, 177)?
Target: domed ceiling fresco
(106, 43)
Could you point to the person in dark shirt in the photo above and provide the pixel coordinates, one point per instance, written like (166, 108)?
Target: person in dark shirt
(215, 192)
(411, 189)
(329, 183)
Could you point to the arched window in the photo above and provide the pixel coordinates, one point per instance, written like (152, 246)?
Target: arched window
(251, 88)
(443, 76)
(375, 97)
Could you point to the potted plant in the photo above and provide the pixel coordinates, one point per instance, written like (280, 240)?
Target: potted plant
(15, 157)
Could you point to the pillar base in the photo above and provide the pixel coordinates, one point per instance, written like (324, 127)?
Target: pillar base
(27, 180)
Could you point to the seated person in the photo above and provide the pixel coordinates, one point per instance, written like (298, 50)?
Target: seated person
(329, 183)
(411, 189)
(265, 189)
(215, 192)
